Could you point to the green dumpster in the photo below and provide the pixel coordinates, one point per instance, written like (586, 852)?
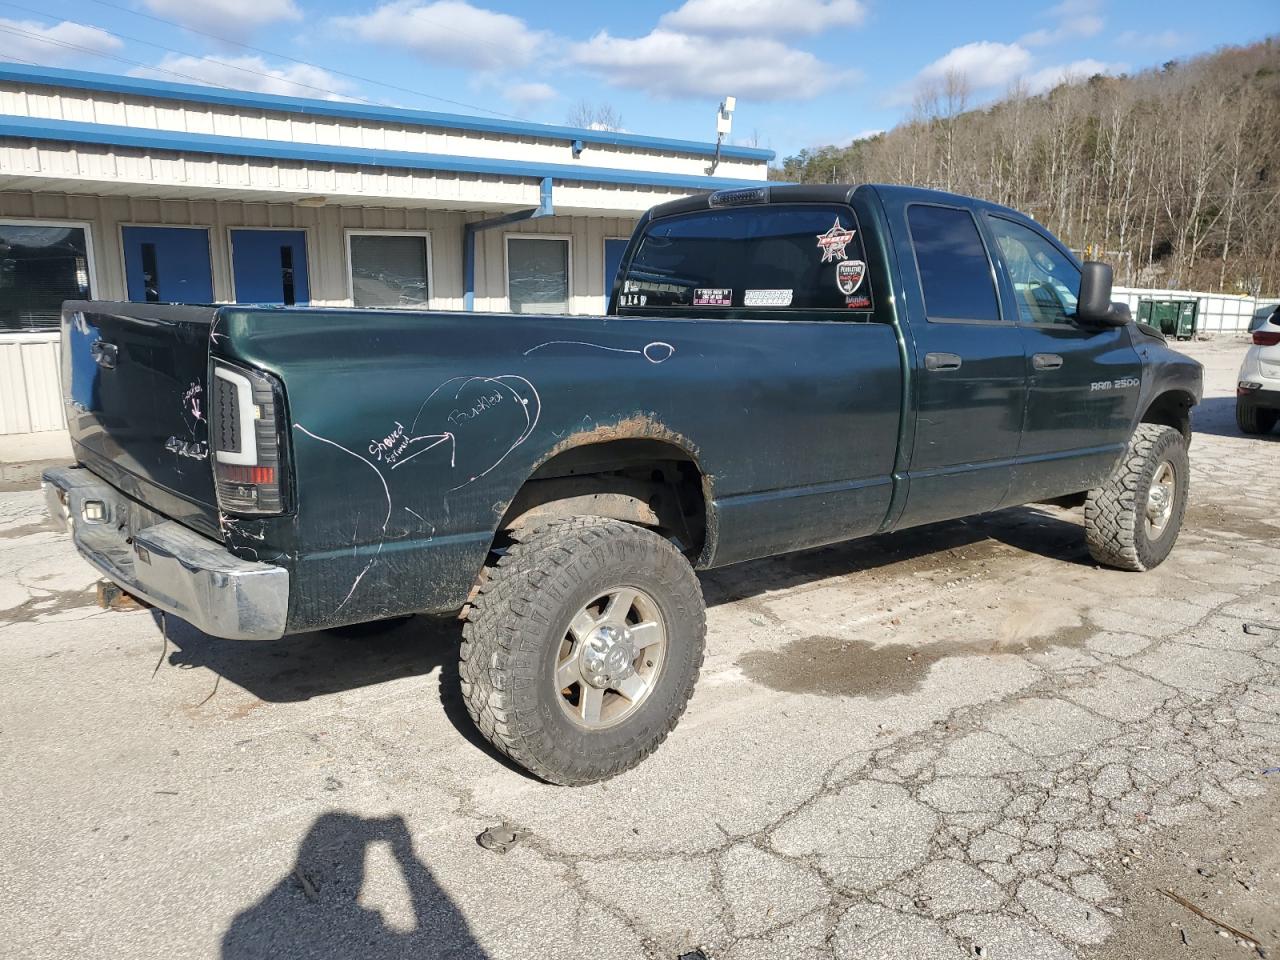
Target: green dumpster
(1173, 318)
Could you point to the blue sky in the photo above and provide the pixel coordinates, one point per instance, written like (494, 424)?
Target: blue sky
(805, 72)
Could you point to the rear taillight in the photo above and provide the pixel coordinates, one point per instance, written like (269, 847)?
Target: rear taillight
(1266, 338)
(247, 440)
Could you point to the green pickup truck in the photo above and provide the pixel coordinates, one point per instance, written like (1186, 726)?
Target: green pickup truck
(781, 367)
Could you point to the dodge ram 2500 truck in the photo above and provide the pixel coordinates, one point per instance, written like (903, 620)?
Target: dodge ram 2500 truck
(781, 367)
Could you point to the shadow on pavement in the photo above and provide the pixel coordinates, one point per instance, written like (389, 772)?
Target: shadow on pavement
(1031, 529)
(1217, 416)
(314, 911)
(306, 665)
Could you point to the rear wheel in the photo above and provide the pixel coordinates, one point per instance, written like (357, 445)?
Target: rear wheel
(1133, 519)
(582, 648)
(1251, 419)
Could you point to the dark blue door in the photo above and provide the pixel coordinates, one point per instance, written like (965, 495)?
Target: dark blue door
(270, 266)
(167, 264)
(613, 251)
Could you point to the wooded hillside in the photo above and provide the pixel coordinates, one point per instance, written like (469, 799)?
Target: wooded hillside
(1172, 174)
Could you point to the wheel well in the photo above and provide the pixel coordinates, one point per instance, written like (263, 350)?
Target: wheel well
(652, 483)
(1172, 409)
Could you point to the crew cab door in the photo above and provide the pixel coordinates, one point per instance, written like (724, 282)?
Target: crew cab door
(969, 368)
(1082, 382)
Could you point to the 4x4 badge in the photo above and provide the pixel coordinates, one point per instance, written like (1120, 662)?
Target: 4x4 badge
(849, 274)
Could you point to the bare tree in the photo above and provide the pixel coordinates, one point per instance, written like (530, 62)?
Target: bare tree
(594, 116)
(1169, 173)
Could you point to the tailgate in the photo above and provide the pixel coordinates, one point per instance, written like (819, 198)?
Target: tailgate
(134, 379)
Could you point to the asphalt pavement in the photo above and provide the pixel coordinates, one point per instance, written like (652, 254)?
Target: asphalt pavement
(963, 740)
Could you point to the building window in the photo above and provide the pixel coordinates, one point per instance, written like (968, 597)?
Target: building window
(538, 274)
(41, 264)
(390, 269)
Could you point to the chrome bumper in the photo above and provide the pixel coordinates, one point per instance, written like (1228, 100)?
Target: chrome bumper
(166, 564)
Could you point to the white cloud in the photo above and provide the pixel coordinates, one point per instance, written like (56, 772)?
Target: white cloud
(671, 64)
(235, 17)
(763, 17)
(1074, 19)
(452, 31)
(1162, 40)
(1050, 77)
(64, 42)
(991, 67)
(249, 73)
(530, 94)
(984, 64)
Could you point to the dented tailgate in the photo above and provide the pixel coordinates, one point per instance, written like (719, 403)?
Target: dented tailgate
(134, 382)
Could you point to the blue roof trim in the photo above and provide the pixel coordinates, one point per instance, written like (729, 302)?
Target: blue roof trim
(71, 131)
(84, 80)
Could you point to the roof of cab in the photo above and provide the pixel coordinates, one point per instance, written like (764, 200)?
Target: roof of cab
(817, 193)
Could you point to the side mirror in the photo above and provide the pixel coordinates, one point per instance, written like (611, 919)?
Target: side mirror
(1095, 307)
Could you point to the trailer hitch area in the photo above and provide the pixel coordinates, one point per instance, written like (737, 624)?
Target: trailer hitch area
(111, 597)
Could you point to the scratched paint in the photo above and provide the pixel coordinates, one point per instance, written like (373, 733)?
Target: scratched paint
(472, 424)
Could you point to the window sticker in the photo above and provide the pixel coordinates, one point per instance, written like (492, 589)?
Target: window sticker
(633, 300)
(834, 242)
(713, 297)
(860, 302)
(767, 298)
(849, 274)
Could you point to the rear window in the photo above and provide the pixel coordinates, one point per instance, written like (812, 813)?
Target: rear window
(772, 259)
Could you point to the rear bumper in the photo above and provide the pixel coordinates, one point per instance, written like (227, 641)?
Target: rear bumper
(166, 564)
(1262, 399)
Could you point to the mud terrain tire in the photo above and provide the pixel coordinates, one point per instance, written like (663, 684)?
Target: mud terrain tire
(519, 627)
(1127, 525)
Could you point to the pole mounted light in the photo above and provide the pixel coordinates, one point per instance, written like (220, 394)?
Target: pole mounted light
(724, 124)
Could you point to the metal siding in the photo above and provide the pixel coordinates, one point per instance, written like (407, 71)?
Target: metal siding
(15, 409)
(140, 137)
(178, 100)
(29, 364)
(30, 394)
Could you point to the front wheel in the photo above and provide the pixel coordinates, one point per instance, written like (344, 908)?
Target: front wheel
(1133, 519)
(582, 648)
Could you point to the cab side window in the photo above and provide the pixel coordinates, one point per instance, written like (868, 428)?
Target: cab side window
(955, 272)
(1045, 281)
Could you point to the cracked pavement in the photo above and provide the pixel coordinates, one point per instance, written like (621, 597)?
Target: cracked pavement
(956, 741)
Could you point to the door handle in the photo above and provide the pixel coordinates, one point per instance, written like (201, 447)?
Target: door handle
(1046, 361)
(941, 361)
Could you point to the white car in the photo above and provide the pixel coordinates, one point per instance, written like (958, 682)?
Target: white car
(1258, 389)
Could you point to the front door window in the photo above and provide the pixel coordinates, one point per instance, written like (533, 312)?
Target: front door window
(1045, 280)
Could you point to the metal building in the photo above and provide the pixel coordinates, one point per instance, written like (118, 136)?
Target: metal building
(119, 188)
